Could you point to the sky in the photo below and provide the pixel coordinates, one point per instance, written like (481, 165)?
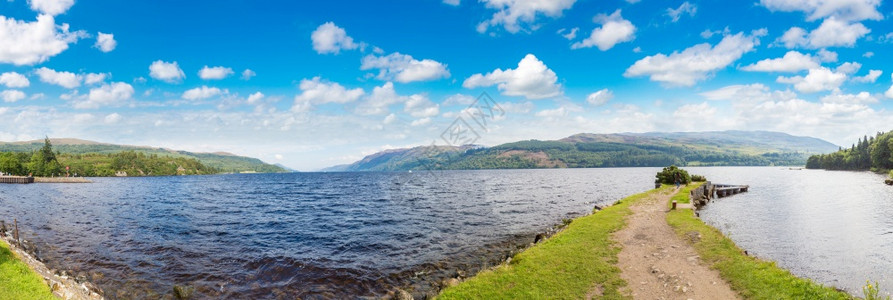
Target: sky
(311, 84)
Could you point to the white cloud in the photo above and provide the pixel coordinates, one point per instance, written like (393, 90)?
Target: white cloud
(871, 77)
(64, 79)
(169, 72)
(685, 8)
(28, 43)
(792, 61)
(889, 92)
(51, 7)
(420, 107)
(316, 91)
(112, 118)
(614, 30)
(12, 95)
(860, 98)
(515, 15)
(247, 74)
(868, 54)
(570, 35)
(329, 38)
(695, 63)
(105, 42)
(702, 110)
(255, 98)
(114, 94)
(832, 33)
(848, 68)
(552, 113)
(531, 79)
(203, 92)
(850, 10)
(459, 99)
(389, 119)
(214, 73)
(14, 80)
(819, 79)
(94, 78)
(451, 2)
(827, 56)
(600, 97)
(403, 68)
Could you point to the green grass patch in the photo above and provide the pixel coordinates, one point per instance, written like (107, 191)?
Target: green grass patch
(17, 281)
(569, 265)
(750, 277)
(683, 195)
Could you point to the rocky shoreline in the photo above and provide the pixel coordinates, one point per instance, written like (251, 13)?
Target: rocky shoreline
(63, 284)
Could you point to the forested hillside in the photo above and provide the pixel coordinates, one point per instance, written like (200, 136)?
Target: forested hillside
(869, 153)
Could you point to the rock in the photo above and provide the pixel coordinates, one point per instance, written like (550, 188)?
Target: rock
(400, 294)
(597, 208)
(81, 277)
(183, 292)
(461, 273)
(450, 282)
(889, 181)
(538, 238)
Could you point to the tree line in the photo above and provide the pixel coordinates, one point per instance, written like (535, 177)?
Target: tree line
(869, 153)
(46, 163)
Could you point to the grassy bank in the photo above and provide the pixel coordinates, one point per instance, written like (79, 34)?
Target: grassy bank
(576, 261)
(750, 277)
(17, 281)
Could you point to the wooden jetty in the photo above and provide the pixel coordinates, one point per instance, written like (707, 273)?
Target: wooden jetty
(16, 179)
(724, 190)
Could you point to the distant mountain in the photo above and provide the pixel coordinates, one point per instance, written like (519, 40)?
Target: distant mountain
(225, 162)
(587, 150)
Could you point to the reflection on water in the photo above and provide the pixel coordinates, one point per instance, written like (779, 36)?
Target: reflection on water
(326, 235)
(833, 226)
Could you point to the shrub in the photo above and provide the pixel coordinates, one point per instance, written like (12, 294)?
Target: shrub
(668, 176)
(698, 178)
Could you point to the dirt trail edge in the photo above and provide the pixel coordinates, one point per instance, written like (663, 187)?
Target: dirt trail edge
(657, 264)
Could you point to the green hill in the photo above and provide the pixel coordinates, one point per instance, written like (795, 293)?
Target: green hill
(219, 161)
(718, 148)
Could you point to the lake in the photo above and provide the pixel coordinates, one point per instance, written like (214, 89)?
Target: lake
(312, 235)
(343, 235)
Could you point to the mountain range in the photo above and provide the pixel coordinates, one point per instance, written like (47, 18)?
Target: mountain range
(588, 150)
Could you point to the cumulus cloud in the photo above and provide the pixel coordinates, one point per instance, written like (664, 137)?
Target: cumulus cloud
(600, 97)
(531, 79)
(849, 10)
(114, 94)
(552, 113)
(12, 95)
(791, 62)
(515, 15)
(702, 110)
(889, 93)
(317, 91)
(112, 118)
(105, 42)
(570, 35)
(860, 98)
(695, 63)
(14, 80)
(420, 107)
(818, 79)
(169, 72)
(451, 2)
(329, 38)
(614, 30)
(247, 74)
(51, 7)
(685, 8)
(403, 68)
(848, 68)
(255, 98)
(871, 77)
(832, 33)
(214, 73)
(203, 92)
(64, 79)
(29, 43)
(94, 78)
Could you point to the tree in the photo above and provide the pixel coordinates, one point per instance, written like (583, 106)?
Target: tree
(10, 164)
(669, 175)
(43, 162)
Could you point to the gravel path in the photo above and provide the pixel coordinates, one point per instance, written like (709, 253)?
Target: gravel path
(657, 264)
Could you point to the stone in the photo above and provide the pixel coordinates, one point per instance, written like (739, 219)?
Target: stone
(538, 238)
(400, 294)
(889, 181)
(450, 282)
(183, 292)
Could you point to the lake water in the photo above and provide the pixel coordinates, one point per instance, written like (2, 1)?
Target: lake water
(311, 235)
(343, 235)
(835, 227)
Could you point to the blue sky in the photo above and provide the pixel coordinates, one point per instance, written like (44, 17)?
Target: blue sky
(312, 84)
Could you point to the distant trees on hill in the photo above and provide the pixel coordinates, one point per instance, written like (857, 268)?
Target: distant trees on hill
(869, 153)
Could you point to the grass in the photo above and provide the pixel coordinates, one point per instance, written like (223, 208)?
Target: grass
(17, 281)
(750, 277)
(682, 195)
(569, 265)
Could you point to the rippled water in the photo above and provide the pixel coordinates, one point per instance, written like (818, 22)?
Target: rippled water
(311, 235)
(833, 226)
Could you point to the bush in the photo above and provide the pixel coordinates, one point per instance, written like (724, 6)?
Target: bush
(891, 173)
(669, 175)
(698, 178)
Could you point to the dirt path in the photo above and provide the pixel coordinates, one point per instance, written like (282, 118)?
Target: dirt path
(657, 264)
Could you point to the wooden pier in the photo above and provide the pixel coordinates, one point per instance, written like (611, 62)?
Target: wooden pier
(725, 190)
(16, 179)
(703, 194)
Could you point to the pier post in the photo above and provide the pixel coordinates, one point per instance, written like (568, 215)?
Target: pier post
(674, 204)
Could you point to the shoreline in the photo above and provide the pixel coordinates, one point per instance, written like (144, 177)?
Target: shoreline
(750, 277)
(60, 284)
